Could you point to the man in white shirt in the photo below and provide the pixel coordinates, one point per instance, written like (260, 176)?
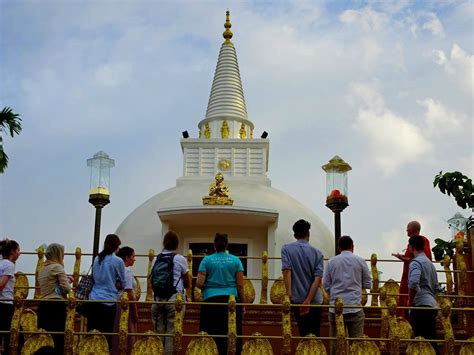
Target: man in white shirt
(345, 277)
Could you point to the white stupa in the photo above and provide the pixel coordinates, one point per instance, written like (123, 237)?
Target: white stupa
(261, 216)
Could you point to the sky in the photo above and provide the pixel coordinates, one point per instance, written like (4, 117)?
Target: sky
(386, 85)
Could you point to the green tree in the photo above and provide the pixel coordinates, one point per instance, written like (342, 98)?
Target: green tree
(10, 123)
(458, 185)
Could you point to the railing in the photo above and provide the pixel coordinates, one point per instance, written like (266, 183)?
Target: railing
(393, 334)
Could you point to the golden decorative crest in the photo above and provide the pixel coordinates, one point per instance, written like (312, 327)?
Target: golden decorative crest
(326, 296)
(93, 343)
(364, 347)
(259, 346)
(207, 131)
(28, 321)
(148, 344)
(310, 346)
(21, 285)
(277, 291)
(420, 348)
(218, 193)
(138, 289)
(242, 131)
(36, 341)
(225, 131)
(249, 291)
(202, 345)
(468, 348)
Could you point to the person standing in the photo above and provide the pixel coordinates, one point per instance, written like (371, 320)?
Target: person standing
(345, 277)
(10, 251)
(55, 286)
(302, 267)
(127, 254)
(220, 275)
(413, 228)
(108, 271)
(423, 288)
(163, 315)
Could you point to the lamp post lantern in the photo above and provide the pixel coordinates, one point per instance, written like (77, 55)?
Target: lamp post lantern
(99, 193)
(336, 192)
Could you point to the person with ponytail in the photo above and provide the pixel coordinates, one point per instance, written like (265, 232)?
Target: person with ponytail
(54, 286)
(108, 271)
(10, 251)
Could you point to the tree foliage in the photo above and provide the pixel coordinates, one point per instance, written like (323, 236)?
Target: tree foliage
(458, 185)
(10, 123)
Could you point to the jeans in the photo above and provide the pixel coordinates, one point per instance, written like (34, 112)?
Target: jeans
(354, 322)
(423, 323)
(163, 318)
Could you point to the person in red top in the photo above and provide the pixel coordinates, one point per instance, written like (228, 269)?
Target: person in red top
(413, 228)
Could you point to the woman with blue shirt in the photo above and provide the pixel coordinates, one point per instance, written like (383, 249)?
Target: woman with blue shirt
(108, 271)
(219, 276)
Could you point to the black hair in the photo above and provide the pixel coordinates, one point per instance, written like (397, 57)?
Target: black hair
(345, 243)
(124, 252)
(417, 242)
(7, 246)
(111, 243)
(220, 242)
(170, 240)
(301, 228)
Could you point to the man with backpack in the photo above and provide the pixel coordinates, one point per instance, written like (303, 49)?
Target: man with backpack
(169, 276)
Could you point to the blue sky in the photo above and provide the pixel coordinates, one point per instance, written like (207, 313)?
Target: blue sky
(386, 85)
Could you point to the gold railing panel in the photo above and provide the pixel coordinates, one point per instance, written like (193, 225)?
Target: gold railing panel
(249, 291)
(93, 343)
(148, 344)
(467, 349)
(364, 347)
(310, 345)
(37, 341)
(278, 291)
(28, 321)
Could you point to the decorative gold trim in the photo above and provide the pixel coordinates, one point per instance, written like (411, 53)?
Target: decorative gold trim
(207, 131)
(420, 347)
(77, 267)
(242, 131)
(178, 325)
(340, 328)
(148, 344)
(39, 266)
(190, 275)
(260, 346)
(375, 280)
(149, 290)
(449, 276)
(69, 326)
(231, 327)
(36, 341)
(444, 316)
(264, 290)
(22, 285)
(123, 324)
(225, 131)
(286, 324)
(278, 291)
(227, 34)
(93, 343)
(311, 345)
(202, 345)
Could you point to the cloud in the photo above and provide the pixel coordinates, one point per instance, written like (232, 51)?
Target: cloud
(393, 141)
(459, 65)
(111, 75)
(366, 19)
(434, 25)
(439, 119)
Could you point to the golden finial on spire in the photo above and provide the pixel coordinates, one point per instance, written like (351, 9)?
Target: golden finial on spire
(227, 33)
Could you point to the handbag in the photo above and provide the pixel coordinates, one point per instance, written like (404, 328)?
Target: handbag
(83, 289)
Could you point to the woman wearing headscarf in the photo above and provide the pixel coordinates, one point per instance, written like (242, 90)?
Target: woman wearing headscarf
(54, 286)
(10, 251)
(108, 271)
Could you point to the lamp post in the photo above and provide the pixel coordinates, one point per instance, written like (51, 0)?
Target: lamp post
(336, 192)
(100, 165)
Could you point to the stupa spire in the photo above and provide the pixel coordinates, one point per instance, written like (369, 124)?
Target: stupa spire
(226, 107)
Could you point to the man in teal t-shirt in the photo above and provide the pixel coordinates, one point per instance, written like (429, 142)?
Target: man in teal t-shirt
(219, 276)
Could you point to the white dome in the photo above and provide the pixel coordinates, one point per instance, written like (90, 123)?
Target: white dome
(143, 229)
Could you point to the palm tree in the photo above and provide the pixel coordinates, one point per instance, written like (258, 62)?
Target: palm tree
(10, 123)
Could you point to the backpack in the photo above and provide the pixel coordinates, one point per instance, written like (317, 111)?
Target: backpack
(162, 276)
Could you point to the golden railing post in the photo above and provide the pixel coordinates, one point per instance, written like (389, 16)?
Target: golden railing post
(286, 324)
(375, 280)
(264, 291)
(384, 326)
(15, 325)
(178, 324)
(123, 324)
(39, 266)
(340, 328)
(449, 276)
(232, 328)
(69, 327)
(189, 290)
(77, 267)
(445, 317)
(149, 290)
(461, 266)
(393, 326)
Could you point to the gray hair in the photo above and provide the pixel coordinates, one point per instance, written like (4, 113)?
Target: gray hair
(55, 252)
